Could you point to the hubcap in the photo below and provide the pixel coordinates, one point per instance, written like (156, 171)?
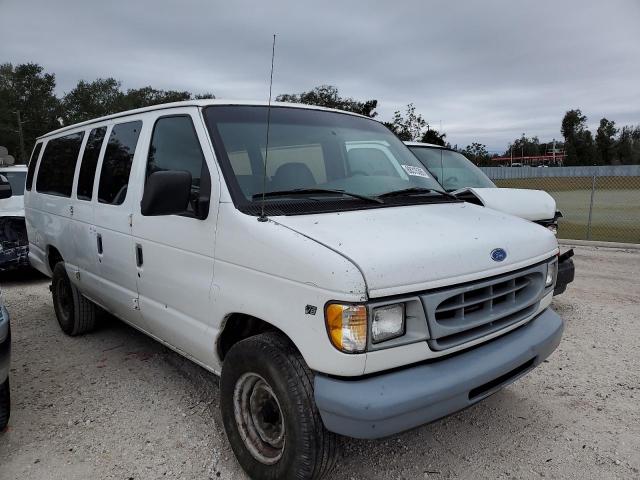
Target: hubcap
(259, 418)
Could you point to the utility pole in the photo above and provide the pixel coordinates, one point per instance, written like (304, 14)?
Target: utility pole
(23, 155)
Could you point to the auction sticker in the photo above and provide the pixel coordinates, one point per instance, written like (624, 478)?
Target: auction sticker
(415, 171)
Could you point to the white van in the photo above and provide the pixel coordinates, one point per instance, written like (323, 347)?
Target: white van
(331, 299)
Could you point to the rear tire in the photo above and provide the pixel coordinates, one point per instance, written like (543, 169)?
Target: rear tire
(269, 412)
(5, 404)
(76, 315)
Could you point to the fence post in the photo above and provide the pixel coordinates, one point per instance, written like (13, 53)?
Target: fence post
(593, 188)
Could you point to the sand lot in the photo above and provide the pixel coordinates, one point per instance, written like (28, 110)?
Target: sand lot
(116, 404)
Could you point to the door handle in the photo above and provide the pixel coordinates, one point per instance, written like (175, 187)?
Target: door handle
(139, 259)
(99, 240)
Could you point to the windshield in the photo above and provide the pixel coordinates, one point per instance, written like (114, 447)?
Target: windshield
(453, 170)
(310, 150)
(16, 179)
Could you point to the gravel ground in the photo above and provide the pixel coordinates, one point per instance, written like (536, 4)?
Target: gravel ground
(115, 404)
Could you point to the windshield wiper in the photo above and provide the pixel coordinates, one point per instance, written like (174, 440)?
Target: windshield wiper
(415, 191)
(315, 191)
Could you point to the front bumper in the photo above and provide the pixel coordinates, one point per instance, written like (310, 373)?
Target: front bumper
(5, 344)
(566, 272)
(394, 402)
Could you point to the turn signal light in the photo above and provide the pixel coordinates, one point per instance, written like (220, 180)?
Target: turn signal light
(347, 327)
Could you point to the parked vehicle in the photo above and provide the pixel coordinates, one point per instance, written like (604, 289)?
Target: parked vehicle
(458, 175)
(335, 290)
(5, 356)
(14, 246)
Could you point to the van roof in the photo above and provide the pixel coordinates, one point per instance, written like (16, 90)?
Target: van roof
(193, 103)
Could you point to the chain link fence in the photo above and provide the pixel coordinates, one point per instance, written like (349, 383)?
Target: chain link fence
(597, 203)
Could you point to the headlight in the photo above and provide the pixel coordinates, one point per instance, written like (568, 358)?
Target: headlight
(552, 270)
(553, 227)
(347, 327)
(388, 322)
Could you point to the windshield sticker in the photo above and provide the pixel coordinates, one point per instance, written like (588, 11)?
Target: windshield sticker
(415, 171)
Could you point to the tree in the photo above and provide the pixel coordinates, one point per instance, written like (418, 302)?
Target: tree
(477, 153)
(26, 96)
(146, 96)
(104, 96)
(435, 137)
(627, 148)
(579, 145)
(605, 140)
(408, 127)
(92, 99)
(328, 96)
(524, 147)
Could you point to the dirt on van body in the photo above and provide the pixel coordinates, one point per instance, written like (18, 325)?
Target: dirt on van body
(116, 404)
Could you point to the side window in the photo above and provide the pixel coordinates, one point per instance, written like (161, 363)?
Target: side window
(116, 166)
(32, 165)
(175, 146)
(55, 175)
(89, 162)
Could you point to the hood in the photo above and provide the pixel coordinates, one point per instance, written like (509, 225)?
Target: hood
(534, 205)
(408, 249)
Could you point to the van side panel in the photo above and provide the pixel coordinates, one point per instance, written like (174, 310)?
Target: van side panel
(175, 276)
(116, 268)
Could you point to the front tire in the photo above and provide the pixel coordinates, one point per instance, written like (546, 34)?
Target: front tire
(76, 315)
(5, 404)
(269, 412)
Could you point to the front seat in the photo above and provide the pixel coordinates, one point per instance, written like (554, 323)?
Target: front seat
(292, 175)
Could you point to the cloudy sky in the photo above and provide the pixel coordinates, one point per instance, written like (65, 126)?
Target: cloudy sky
(488, 70)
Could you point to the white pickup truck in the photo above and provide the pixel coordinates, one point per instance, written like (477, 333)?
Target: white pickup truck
(335, 287)
(459, 176)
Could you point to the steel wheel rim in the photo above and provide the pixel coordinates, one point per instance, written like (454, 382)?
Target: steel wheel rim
(259, 418)
(63, 293)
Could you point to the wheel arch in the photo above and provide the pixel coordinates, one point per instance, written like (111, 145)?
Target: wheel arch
(239, 326)
(53, 256)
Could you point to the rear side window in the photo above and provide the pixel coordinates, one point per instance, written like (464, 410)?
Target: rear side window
(89, 162)
(55, 175)
(32, 164)
(175, 146)
(116, 166)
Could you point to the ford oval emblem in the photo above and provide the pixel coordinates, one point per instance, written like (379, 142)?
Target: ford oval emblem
(498, 254)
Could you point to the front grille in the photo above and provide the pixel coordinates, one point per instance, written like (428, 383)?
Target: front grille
(462, 313)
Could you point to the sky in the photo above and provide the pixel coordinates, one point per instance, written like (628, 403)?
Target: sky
(487, 71)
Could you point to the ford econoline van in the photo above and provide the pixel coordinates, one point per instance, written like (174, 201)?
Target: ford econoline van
(336, 291)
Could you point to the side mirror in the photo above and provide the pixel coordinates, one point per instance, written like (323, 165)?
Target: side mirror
(166, 193)
(5, 188)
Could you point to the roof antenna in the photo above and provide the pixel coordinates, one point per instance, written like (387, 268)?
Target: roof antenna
(262, 217)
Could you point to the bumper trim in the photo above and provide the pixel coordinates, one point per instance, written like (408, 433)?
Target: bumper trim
(394, 402)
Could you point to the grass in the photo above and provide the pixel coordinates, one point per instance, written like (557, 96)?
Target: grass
(616, 205)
